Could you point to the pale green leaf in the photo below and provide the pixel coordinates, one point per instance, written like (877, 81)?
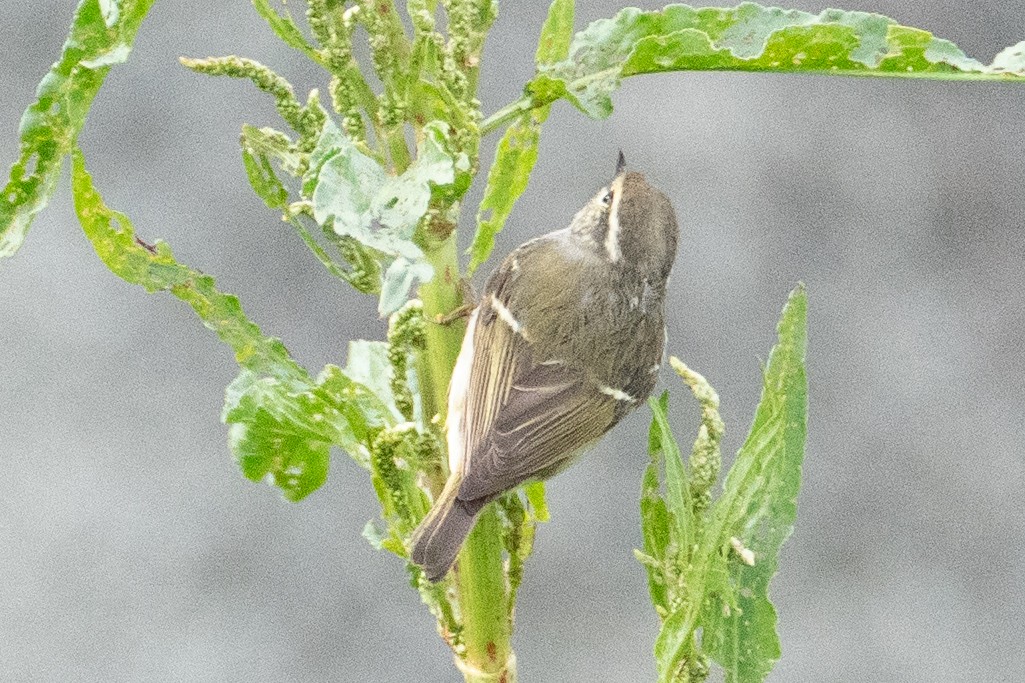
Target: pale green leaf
(101, 34)
(367, 363)
(401, 276)
(373, 535)
(517, 151)
(352, 193)
(757, 510)
(750, 37)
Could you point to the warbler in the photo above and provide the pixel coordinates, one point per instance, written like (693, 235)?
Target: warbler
(566, 340)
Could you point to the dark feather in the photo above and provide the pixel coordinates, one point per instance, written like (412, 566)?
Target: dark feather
(551, 413)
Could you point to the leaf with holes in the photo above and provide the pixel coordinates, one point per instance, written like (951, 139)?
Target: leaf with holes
(750, 37)
(101, 35)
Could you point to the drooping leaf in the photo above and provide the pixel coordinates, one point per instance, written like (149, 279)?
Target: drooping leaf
(101, 35)
(283, 423)
(750, 37)
(154, 268)
(757, 509)
(517, 151)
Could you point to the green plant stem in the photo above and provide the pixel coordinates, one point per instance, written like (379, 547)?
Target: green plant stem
(441, 296)
(482, 588)
(508, 113)
(484, 603)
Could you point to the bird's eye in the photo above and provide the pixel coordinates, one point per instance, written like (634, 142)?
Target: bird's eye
(607, 199)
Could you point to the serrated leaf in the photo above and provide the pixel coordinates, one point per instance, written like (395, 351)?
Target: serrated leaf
(283, 423)
(750, 37)
(155, 268)
(101, 34)
(516, 154)
(757, 509)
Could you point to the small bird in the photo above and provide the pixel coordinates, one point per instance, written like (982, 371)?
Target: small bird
(567, 339)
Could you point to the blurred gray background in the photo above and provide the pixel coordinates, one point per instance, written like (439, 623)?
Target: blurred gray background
(131, 549)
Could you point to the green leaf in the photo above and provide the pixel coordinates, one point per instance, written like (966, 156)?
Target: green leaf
(258, 146)
(154, 268)
(282, 434)
(655, 525)
(266, 451)
(678, 497)
(101, 35)
(283, 423)
(675, 645)
(556, 33)
(757, 509)
(535, 491)
(286, 29)
(517, 151)
(750, 37)
(507, 180)
(351, 192)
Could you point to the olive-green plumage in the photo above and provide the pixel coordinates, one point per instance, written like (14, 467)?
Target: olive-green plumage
(567, 339)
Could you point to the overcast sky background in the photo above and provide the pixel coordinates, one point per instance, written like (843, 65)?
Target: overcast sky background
(131, 549)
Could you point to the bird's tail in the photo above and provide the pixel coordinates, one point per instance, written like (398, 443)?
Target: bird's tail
(437, 540)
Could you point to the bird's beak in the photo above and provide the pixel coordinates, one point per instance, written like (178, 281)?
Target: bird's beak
(620, 164)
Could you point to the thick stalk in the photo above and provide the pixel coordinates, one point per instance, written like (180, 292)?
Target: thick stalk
(484, 603)
(441, 296)
(481, 582)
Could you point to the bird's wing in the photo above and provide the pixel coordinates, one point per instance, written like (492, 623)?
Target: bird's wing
(523, 419)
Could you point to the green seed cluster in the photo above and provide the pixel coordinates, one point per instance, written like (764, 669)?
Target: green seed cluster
(705, 456)
(393, 482)
(407, 333)
(365, 272)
